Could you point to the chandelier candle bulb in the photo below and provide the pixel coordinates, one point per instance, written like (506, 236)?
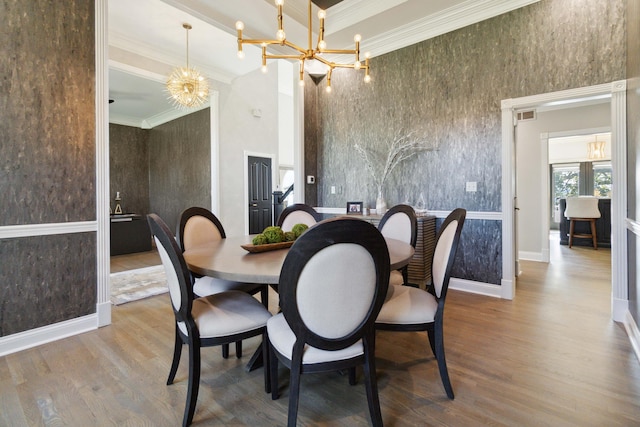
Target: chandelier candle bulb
(308, 57)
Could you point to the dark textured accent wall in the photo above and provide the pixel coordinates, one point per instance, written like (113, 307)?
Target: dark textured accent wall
(40, 287)
(47, 160)
(180, 166)
(633, 138)
(47, 116)
(129, 168)
(449, 89)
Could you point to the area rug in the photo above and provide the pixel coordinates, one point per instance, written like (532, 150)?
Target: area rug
(133, 285)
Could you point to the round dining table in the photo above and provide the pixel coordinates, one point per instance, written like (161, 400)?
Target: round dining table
(227, 259)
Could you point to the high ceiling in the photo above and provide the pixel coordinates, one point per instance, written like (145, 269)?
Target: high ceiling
(147, 40)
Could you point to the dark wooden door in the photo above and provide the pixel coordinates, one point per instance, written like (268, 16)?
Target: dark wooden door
(260, 204)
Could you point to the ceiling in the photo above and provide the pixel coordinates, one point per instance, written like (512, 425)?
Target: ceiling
(147, 40)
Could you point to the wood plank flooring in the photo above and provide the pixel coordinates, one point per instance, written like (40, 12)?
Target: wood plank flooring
(550, 357)
(133, 261)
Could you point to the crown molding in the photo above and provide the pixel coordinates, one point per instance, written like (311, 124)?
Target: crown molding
(121, 119)
(135, 71)
(169, 115)
(345, 14)
(155, 120)
(465, 14)
(123, 42)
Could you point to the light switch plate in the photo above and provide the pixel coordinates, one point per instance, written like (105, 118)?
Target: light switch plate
(472, 186)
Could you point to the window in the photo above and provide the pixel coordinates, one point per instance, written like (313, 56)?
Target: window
(602, 179)
(578, 179)
(565, 182)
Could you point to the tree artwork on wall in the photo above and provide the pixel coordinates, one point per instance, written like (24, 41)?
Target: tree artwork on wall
(380, 163)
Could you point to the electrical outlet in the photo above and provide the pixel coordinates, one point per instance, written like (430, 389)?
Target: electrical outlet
(333, 189)
(311, 179)
(472, 186)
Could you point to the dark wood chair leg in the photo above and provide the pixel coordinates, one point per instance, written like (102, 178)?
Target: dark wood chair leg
(273, 367)
(266, 360)
(194, 384)
(442, 363)
(264, 296)
(294, 393)
(177, 352)
(432, 338)
(405, 276)
(593, 233)
(371, 386)
(225, 351)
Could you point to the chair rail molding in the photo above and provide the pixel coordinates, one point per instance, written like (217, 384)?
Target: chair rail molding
(31, 230)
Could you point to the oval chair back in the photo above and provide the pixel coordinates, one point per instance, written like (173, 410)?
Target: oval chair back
(445, 251)
(298, 213)
(400, 223)
(179, 280)
(320, 309)
(198, 225)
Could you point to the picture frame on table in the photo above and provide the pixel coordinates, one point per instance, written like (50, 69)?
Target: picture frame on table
(354, 208)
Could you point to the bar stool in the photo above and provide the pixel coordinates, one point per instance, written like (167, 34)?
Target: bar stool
(585, 209)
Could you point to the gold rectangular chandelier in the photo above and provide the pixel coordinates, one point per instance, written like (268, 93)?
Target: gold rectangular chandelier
(310, 59)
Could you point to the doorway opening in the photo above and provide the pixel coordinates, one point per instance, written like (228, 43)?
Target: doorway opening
(615, 94)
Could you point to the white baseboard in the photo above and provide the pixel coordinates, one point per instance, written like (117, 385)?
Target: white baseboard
(104, 313)
(531, 256)
(634, 334)
(619, 309)
(475, 287)
(35, 337)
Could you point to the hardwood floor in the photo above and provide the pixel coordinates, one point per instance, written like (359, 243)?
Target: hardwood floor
(550, 357)
(133, 261)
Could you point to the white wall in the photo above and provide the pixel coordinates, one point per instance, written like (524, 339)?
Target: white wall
(570, 149)
(531, 163)
(285, 113)
(240, 131)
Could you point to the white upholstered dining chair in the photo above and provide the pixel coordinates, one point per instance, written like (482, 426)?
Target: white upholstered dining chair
(412, 309)
(298, 213)
(218, 319)
(197, 226)
(325, 325)
(400, 223)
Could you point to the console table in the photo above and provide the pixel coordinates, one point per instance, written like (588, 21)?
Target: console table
(129, 233)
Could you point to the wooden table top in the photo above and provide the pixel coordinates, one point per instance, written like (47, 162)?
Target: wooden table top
(226, 259)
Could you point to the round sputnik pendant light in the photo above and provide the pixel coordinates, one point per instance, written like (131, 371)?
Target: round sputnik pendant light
(186, 86)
